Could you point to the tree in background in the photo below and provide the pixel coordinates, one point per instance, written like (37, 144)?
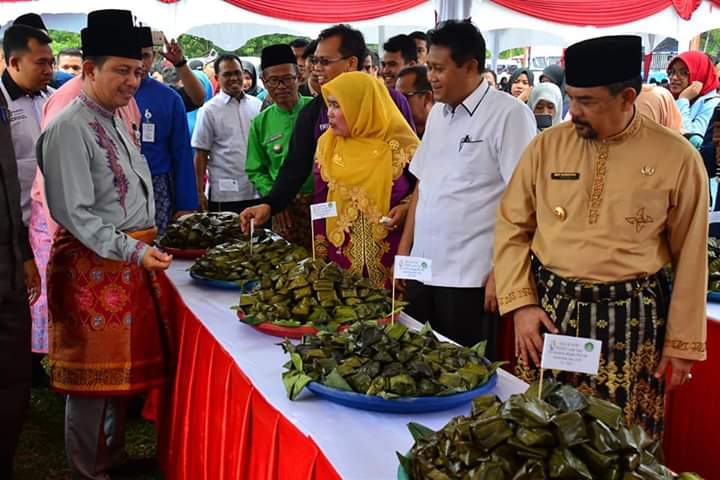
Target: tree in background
(710, 43)
(62, 40)
(200, 47)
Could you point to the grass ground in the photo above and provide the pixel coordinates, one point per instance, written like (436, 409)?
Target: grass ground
(41, 454)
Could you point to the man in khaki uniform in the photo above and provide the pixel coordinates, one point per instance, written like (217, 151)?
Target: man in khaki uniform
(596, 209)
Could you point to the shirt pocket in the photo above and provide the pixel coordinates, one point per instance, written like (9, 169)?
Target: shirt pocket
(639, 215)
(475, 163)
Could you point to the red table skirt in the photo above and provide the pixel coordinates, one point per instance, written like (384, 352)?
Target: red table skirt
(692, 416)
(692, 412)
(214, 424)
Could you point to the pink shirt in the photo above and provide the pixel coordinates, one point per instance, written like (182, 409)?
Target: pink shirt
(130, 115)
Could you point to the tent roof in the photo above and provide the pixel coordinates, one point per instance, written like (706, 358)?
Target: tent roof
(229, 26)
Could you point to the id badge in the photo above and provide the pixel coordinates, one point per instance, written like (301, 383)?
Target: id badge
(148, 132)
(228, 185)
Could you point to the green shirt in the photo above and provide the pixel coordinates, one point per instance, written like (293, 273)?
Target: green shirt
(268, 143)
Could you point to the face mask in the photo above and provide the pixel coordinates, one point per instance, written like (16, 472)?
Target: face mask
(543, 121)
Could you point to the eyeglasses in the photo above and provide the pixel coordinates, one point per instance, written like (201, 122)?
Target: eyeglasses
(680, 73)
(412, 94)
(324, 61)
(273, 82)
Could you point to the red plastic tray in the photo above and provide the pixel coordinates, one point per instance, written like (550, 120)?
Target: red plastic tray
(296, 333)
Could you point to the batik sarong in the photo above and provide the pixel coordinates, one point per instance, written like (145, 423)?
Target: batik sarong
(629, 319)
(299, 212)
(164, 195)
(107, 333)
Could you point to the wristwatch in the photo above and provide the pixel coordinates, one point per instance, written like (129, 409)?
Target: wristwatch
(181, 63)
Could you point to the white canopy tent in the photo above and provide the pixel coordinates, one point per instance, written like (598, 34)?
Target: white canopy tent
(224, 24)
(505, 28)
(230, 27)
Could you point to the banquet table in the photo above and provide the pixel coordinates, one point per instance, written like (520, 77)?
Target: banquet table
(227, 415)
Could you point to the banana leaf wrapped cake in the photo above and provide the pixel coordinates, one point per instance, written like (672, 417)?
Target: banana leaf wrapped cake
(713, 265)
(203, 230)
(564, 435)
(233, 261)
(313, 293)
(389, 361)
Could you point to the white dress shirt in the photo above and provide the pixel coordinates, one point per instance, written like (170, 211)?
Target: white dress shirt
(222, 128)
(463, 164)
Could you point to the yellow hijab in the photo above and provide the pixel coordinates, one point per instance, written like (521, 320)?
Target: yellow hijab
(360, 169)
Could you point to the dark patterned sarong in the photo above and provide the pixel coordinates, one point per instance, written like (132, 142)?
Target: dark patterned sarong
(299, 212)
(629, 318)
(107, 333)
(164, 196)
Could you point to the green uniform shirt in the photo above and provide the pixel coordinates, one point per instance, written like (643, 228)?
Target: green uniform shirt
(268, 142)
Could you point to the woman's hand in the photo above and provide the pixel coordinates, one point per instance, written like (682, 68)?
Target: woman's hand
(32, 281)
(692, 91)
(524, 96)
(397, 217)
(260, 213)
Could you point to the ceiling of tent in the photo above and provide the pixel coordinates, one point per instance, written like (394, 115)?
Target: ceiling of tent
(224, 24)
(507, 28)
(229, 26)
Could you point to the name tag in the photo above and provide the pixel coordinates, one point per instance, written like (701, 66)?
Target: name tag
(17, 115)
(565, 175)
(228, 185)
(148, 132)
(274, 138)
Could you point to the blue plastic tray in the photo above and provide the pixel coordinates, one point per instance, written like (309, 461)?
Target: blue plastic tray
(713, 297)
(400, 405)
(225, 284)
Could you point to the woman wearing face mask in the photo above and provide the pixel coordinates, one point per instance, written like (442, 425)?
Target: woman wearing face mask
(361, 162)
(546, 103)
(693, 83)
(520, 84)
(250, 85)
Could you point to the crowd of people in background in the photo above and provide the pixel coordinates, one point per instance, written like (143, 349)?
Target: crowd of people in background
(419, 145)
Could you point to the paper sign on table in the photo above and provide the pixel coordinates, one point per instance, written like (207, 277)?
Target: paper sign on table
(323, 210)
(571, 354)
(413, 268)
(714, 217)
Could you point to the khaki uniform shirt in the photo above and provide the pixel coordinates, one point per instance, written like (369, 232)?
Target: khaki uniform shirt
(609, 211)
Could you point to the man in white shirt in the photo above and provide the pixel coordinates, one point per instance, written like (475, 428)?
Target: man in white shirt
(473, 139)
(25, 87)
(220, 141)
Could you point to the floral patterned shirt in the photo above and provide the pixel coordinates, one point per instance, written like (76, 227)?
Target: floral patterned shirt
(97, 183)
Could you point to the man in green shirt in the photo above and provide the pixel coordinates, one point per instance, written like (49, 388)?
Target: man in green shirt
(269, 138)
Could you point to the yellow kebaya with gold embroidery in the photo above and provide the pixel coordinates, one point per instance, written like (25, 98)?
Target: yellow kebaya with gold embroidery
(607, 211)
(363, 172)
